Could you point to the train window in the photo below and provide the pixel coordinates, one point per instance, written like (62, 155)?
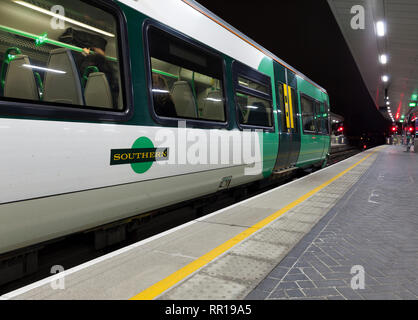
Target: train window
(254, 111)
(317, 117)
(295, 108)
(281, 101)
(325, 127)
(323, 117)
(253, 85)
(253, 97)
(326, 119)
(308, 114)
(61, 53)
(186, 80)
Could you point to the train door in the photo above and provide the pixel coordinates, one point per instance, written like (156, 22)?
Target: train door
(285, 138)
(289, 133)
(293, 102)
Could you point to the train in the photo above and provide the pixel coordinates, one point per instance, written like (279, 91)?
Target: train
(111, 109)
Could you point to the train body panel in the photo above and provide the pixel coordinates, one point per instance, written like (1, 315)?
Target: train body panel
(73, 157)
(25, 223)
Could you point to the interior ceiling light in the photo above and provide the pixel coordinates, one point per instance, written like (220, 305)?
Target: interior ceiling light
(75, 22)
(385, 78)
(380, 28)
(160, 91)
(43, 69)
(387, 103)
(383, 59)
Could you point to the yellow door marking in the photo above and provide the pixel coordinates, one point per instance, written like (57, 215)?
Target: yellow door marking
(290, 107)
(286, 105)
(158, 288)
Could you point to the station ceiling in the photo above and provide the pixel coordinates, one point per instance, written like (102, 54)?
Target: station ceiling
(400, 44)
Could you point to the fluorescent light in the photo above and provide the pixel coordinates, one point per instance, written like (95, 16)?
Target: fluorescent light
(43, 69)
(381, 28)
(160, 91)
(383, 59)
(213, 99)
(252, 107)
(385, 78)
(56, 15)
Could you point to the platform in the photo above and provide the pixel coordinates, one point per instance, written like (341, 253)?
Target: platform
(295, 241)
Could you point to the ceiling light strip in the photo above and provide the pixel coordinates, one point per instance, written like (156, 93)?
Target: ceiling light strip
(59, 16)
(47, 40)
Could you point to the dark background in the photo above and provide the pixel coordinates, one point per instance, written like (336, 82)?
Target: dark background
(305, 34)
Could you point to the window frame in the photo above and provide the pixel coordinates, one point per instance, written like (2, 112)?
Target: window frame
(173, 121)
(314, 101)
(281, 107)
(328, 118)
(295, 107)
(240, 69)
(56, 111)
(323, 120)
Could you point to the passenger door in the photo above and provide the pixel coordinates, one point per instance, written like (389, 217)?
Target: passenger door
(285, 138)
(289, 133)
(295, 135)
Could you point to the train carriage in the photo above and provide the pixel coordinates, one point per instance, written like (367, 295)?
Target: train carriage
(109, 109)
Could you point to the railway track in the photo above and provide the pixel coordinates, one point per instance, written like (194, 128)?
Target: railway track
(341, 152)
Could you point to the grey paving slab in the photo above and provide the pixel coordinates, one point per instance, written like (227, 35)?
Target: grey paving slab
(242, 214)
(110, 281)
(373, 225)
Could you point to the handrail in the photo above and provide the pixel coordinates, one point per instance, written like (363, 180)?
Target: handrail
(46, 40)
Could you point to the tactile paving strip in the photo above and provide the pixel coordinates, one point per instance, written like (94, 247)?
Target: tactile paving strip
(260, 250)
(204, 287)
(238, 268)
(273, 235)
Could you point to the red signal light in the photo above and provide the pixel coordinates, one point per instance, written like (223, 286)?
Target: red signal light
(394, 129)
(411, 129)
(340, 129)
(364, 147)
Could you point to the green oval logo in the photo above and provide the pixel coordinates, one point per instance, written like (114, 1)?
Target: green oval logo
(142, 143)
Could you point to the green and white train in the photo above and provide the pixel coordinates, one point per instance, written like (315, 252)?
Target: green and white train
(108, 109)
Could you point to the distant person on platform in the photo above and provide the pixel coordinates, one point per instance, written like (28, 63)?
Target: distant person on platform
(408, 141)
(94, 54)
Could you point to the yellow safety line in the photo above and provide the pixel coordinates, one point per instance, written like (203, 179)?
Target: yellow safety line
(165, 284)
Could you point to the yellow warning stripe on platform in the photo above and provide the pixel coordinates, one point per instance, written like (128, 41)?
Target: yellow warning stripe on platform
(165, 284)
